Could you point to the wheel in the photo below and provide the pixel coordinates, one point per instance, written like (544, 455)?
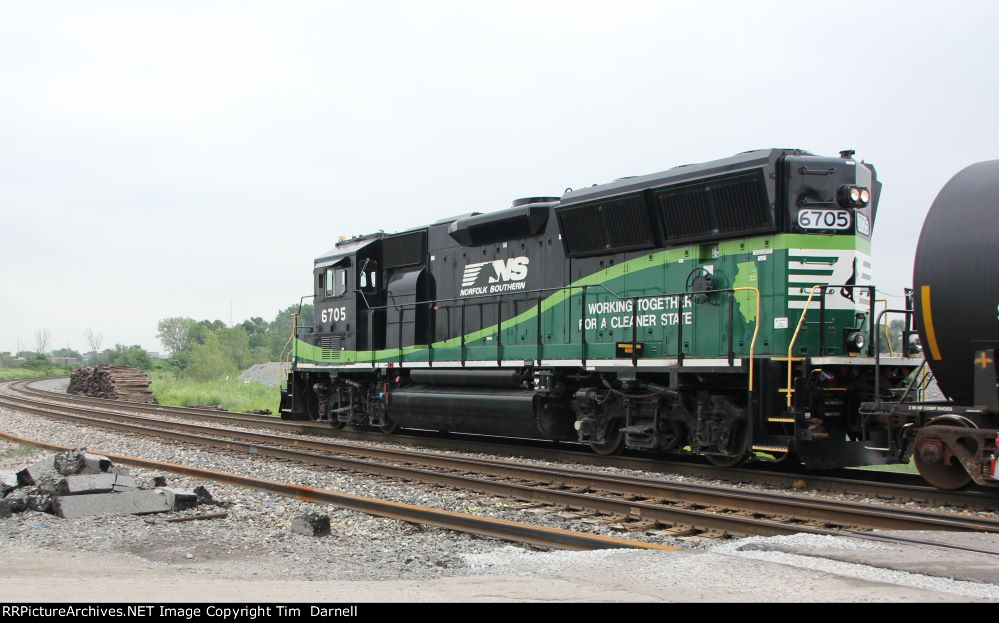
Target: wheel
(936, 464)
(388, 426)
(740, 456)
(613, 444)
(312, 406)
(726, 461)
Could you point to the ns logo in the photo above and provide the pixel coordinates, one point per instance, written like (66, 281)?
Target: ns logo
(494, 276)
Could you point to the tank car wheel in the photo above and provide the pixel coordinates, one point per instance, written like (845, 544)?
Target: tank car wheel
(388, 427)
(613, 444)
(935, 464)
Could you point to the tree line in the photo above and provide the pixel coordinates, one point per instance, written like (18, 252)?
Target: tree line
(208, 349)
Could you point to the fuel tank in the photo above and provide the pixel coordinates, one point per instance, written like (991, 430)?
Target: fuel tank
(480, 410)
(956, 278)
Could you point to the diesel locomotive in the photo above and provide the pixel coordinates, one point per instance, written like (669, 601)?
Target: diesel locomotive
(723, 309)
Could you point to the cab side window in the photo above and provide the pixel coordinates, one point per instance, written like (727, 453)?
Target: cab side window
(336, 282)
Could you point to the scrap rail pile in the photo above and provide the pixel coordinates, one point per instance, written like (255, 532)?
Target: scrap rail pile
(114, 382)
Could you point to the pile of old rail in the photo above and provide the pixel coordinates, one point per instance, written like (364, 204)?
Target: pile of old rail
(887, 485)
(531, 534)
(636, 504)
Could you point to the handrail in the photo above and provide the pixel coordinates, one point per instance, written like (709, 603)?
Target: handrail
(891, 351)
(756, 329)
(570, 288)
(681, 296)
(794, 338)
(877, 351)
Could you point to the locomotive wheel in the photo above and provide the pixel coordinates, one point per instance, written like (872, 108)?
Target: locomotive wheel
(936, 464)
(312, 406)
(719, 460)
(726, 461)
(613, 444)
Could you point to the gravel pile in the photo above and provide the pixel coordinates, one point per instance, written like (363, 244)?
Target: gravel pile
(271, 374)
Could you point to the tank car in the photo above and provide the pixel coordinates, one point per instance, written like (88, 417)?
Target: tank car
(723, 309)
(955, 309)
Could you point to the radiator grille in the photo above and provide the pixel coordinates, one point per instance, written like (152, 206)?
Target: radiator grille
(330, 346)
(610, 226)
(404, 249)
(724, 206)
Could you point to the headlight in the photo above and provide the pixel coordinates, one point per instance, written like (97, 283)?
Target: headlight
(855, 341)
(853, 196)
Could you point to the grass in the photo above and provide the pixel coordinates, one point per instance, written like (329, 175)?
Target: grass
(233, 395)
(20, 449)
(7, 374)
(906, 468)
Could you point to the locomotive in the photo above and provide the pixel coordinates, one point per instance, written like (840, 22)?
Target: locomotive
(723, 309)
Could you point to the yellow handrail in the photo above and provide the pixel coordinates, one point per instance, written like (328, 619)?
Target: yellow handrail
(756, 329)
(794, 338)
(891, 351)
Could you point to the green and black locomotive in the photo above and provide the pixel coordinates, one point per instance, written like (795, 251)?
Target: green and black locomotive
(723, 309)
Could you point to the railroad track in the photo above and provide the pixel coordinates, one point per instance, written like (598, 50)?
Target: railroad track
(886, 485)
(631, 504)
(530, 534)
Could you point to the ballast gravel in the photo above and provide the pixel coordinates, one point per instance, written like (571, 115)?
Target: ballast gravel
(59, 385)
(256, 540)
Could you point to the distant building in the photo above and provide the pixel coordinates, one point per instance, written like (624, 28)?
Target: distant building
(62, 361)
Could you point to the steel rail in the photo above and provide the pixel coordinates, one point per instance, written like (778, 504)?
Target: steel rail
(855, 481)
(541, 536)
(648, 499)
(701, 520)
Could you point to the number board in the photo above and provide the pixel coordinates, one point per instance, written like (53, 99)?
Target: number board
(824, 219)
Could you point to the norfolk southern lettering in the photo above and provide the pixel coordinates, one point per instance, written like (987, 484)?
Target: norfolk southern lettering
(494, 277)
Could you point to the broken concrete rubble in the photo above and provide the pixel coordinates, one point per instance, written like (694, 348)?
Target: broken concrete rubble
(137, 502)
(204, 497)
(79, 461)
(180, 500)
(8, 482)
(311, 524)
(86, 483)
(78, 484)
(33, 473)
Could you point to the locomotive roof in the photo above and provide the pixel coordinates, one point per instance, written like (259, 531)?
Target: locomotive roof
(344, 249)
(738, 162)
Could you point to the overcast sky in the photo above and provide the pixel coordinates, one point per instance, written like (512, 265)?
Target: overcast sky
(172, 158)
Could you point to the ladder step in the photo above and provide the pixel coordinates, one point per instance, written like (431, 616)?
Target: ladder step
(771, 448)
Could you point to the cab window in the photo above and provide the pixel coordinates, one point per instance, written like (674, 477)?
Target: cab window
(336, 281)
